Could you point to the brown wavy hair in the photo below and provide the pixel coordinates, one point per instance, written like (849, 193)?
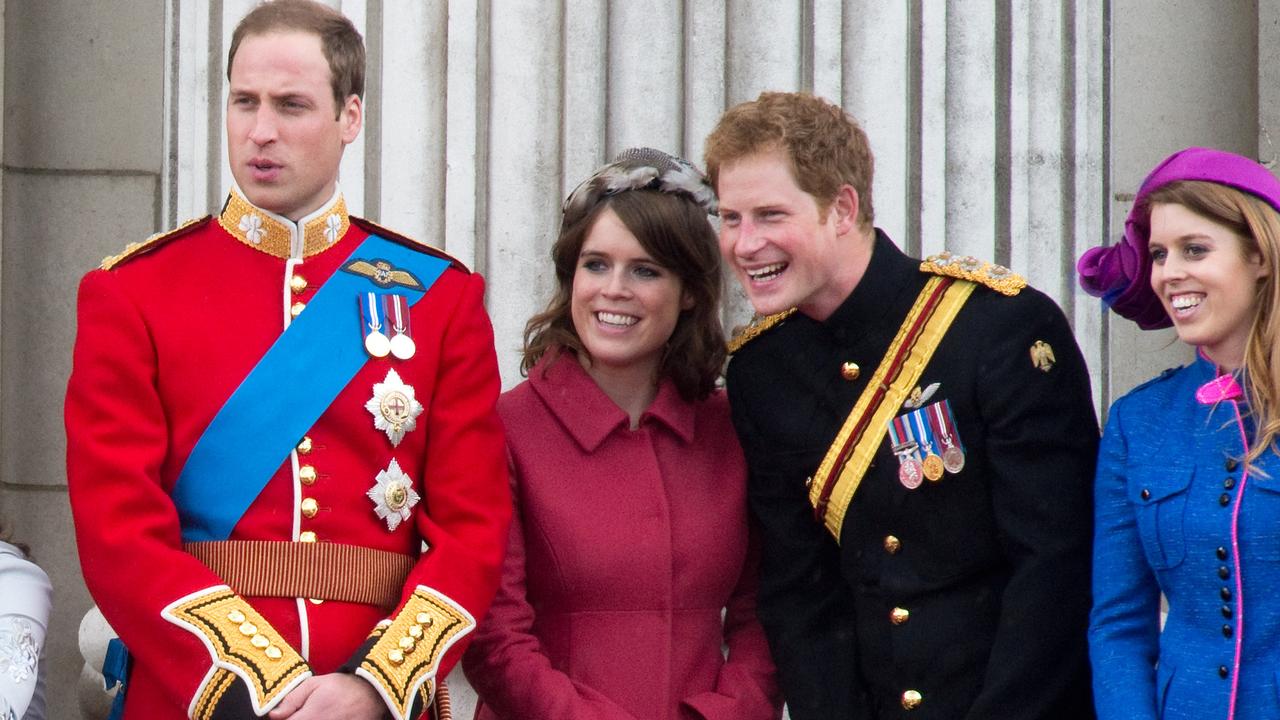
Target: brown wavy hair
(826, 146)
(339, 40)
(1258, 225)
(675, 232)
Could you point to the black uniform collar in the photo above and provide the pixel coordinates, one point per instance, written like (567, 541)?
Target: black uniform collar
(887, 288)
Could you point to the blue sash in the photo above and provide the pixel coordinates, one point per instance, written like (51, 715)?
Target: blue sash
(287, 391)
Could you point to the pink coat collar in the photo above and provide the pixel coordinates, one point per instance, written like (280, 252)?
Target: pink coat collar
(588, 414)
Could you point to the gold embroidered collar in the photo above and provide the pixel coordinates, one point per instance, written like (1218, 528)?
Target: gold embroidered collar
(275, 235)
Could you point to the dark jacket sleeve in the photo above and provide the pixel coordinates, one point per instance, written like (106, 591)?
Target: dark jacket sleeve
(803, 601)
(1042, 439)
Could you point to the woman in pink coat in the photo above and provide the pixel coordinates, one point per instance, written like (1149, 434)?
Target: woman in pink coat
(631, 567)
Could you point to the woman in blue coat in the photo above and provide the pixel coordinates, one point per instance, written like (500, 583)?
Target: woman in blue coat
(1188, 480)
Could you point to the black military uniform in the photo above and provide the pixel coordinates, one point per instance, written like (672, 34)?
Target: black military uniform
(967, 597)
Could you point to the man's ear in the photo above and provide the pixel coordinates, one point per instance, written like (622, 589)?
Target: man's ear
(352, 118)
(845, 209)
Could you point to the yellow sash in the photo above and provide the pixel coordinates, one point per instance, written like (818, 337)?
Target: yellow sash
(850, 454)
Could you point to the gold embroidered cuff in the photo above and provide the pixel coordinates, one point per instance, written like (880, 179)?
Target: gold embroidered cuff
(241, 641)
(408, 653)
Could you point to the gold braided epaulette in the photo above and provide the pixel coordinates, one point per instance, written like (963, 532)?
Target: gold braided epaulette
(374, 228)
(755, 328)
(136, 248)
(966, 267)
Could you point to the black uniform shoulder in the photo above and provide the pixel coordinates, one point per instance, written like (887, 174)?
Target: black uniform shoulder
(374, 228)
(759, 325)
(135, 249)
(966, 267)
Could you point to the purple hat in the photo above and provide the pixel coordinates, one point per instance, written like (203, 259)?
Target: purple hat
(1120, 274)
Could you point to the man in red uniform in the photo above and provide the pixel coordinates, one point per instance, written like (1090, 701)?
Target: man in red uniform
(286, 472)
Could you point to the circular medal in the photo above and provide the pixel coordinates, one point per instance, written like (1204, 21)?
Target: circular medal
(953, 459)
(910, 474)
(403, 347)
(377, 344)
(932, 467)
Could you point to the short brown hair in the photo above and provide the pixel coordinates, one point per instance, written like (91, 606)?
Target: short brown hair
(827, 148)
(342, 45)
(675, 232)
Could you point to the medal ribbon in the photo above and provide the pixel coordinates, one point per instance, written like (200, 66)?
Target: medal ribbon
(282, 397)
(848, 457)
(925, 438)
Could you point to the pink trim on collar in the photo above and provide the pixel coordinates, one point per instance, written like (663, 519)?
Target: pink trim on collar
(1223, 387)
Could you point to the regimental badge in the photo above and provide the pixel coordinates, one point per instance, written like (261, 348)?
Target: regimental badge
(919, 397)
(393, 495)
(1042, 356)
(393, 406)
(383, 274)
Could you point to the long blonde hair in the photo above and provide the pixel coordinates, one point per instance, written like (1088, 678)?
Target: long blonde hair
(1258, 225)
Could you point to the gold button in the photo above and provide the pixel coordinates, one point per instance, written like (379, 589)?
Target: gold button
(307, 475)
(236, 616)
(248, 629)
(306, 536)
(897, 616)
(296, 309)
(415, 632)
(423, 619)
(911, 699)
(273, 652)
(395, 656)
(407, 644)
(892, 544)
(310, 507)
(850, 371)
(297, 283)
(260, 642)
(304, 447)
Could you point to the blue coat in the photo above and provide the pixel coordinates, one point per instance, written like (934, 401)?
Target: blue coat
(1178, 514)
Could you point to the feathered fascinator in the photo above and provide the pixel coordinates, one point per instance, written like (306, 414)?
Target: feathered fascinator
(641, 169)
(1120, 274)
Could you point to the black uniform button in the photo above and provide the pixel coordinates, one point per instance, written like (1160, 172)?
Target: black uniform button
(1222, 553)
(1224, 572)
(1226, 611)
(1229, 483)
(1223, 671)
(1225, 593)
(1226, 631)
(1231, 464)
(1146, 494)
(1224, 499)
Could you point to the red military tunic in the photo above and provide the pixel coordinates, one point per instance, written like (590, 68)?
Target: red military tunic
(166, 333)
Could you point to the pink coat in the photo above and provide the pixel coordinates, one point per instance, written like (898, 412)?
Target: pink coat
(626, 547)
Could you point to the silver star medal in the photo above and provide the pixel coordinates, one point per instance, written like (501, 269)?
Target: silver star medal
(393, 495)
(394, 409)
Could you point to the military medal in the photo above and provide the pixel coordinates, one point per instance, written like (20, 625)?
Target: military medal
(904, 446)
(932, 464)
(402, 345)
(910, 471)
(372, 323)
(944, 426)
(395, 410)
(393, 495)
